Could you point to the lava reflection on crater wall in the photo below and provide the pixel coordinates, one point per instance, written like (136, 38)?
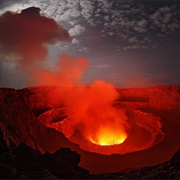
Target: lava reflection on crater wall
(142, 132)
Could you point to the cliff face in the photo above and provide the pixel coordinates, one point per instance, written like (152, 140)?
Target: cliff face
(23, 114)
(19, 118)
(18, 122)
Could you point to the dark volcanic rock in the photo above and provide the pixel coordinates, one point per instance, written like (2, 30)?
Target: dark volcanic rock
(3, 146)
(17, 121)
(7, 172)
(167, 170)
(24, 162)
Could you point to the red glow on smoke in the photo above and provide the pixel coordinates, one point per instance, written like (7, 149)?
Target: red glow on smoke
(27, 34)
(91, 114)
(90, 109)
(67, 72)
(94, 120)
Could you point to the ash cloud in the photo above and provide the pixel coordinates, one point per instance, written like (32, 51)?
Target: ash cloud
(27, 35)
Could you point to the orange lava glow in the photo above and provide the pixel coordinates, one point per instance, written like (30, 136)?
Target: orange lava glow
(107, 136)
(92, 116)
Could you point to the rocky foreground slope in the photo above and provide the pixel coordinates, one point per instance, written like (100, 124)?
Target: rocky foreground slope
(23, 162)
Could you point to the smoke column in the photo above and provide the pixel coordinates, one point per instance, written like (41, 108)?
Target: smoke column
(91, 113)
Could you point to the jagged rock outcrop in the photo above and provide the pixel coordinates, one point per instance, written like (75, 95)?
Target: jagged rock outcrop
(24, 162)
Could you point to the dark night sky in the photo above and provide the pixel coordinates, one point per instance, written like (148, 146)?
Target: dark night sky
(129, 43)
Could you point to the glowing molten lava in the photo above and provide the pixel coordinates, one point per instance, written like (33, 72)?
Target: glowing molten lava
(107, 136)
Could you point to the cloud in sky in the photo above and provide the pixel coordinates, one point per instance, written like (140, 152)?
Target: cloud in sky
(115, 27)
(124, 18)
(25, 35)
